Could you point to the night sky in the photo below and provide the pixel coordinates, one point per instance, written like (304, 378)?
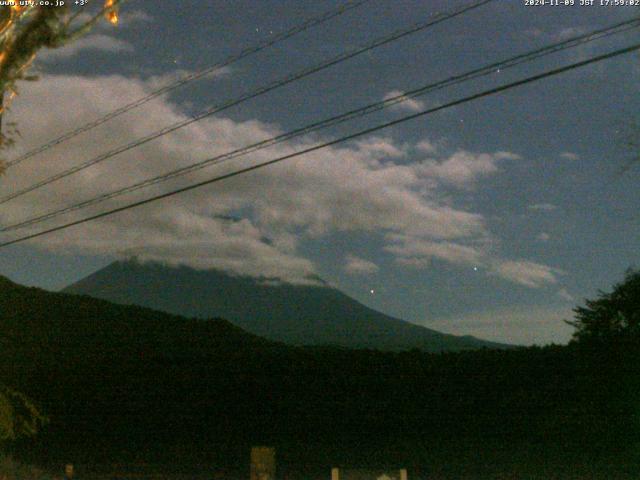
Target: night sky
(494, 218)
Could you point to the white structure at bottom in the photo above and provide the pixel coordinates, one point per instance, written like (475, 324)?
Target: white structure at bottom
(362, 474)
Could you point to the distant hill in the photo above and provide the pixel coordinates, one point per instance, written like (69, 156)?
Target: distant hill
(72, 317)
(116, 378)
(294, 314)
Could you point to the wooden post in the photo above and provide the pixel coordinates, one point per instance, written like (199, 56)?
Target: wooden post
(263, 463)
(68, 471)
(403, 474)
(335, 474)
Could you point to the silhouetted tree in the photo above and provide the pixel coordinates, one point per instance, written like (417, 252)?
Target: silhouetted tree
(25, 30)
(612, 316)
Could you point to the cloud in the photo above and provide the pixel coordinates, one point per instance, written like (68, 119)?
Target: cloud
(406, 103)
(544, 207)
(523, 272)
(543, 237)
(359, 266)
(465, 168)
(380, 148)
(569, 156)
(239, 247)
(568, 32)
(155, 82)
(557, 35)
(553, 34)
(97, 42)
(132, 17)
(520, 325)
(418, 252)
(564, 294)
(425, 146)
(369, 186)
(126, 18)
(102, 40)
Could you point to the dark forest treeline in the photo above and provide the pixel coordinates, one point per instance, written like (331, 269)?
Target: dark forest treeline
(128, 384)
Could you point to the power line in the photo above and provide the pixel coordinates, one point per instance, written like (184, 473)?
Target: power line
(332, 121)
(360, 133)
(433, 20)
(309, 23)
(479, 72)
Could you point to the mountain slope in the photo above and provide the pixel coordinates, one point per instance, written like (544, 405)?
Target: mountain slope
(58, 320)
(298, 315)
(110, 375)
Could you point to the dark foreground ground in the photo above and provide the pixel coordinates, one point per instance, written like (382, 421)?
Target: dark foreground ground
(468, 468)
(129, 386)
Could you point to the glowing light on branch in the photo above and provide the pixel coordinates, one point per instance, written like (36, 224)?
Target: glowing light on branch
(33, 27)
(15, 10)
(112, 14)
(6, 24)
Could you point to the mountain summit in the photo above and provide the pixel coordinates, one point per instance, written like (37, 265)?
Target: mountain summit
(294, 314)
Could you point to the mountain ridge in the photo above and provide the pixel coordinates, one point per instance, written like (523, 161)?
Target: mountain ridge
(292, 314)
